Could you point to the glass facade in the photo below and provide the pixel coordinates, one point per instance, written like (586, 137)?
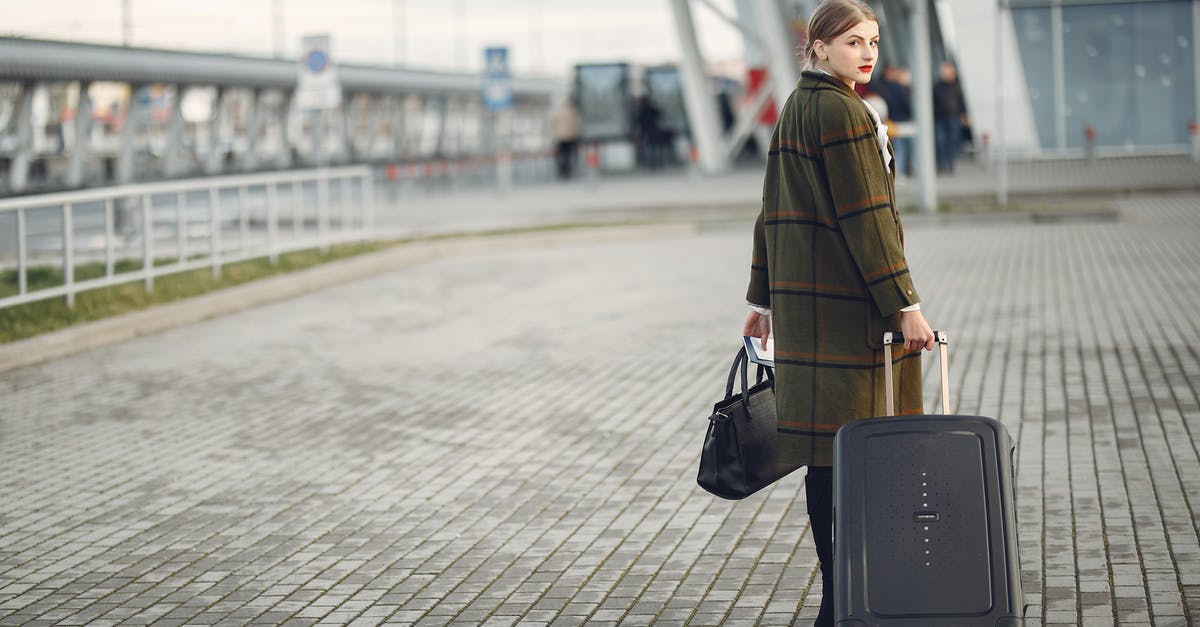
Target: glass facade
(1127, 70)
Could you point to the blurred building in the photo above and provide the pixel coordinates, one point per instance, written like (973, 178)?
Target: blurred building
(1126, 69)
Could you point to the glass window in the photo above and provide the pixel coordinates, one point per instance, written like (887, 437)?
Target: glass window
(1129, 73)
(1037, 58)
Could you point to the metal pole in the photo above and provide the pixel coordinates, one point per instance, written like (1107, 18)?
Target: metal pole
(1196, 75)
(1058, 61)
(699, 100)
(69, 253)
(1001, 140)
(126, 23)
(22, 253)
(922, 97)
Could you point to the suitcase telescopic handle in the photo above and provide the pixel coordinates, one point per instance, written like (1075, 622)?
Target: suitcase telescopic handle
(940, 338)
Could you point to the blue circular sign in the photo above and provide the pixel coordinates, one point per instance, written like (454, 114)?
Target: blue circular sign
(317, 61)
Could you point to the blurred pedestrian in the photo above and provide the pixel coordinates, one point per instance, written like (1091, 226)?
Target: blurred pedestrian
(647, 122)
(828, 274)
(949, 117)
(895, 86)
(565, 126)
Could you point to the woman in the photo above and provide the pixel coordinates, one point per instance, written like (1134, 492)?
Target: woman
(828, 271)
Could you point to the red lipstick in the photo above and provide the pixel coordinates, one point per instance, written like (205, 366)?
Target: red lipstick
(865, 68)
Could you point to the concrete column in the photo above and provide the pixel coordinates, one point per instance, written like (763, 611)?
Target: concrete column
(284, 159)
(216, 116)
(399, 127)
(22, 158)
(699, 99)
(173, 164)
(443, 112)
(375, 107)
(348, 150)
(253, 130)
(132, 124)
(81, 147)
(922, 99)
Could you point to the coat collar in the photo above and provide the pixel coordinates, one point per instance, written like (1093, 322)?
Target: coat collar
(811, 79)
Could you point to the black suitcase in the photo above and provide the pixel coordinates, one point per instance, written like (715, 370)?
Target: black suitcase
(925, 527)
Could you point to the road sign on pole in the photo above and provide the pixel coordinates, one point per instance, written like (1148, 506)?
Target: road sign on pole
(497, 89)
(317, 86)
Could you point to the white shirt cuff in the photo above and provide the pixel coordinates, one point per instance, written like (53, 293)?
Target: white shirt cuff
(766, 311)
(912, 307)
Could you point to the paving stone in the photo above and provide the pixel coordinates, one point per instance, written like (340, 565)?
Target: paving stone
(513, 437)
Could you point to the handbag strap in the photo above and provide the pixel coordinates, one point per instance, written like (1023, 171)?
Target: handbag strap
(740, 364)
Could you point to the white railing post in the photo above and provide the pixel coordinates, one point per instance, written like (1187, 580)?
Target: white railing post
(110, 260)
(368, 206)
(297, 216)
(357, 217)
(68, 214)
(148, 241)
(243, 217)
(22, 267)
(272, 227)
(181, 226)
(323, 212)
(214, 211)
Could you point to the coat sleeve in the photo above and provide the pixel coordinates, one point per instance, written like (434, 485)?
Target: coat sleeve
(863, 204)
(759, 292)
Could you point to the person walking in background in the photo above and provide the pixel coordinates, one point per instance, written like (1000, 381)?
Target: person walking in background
(565, 126)
(647, 122)
(895, 87)
(828, 273)
(949, 117)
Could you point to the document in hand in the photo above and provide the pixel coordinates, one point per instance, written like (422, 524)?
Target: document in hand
(757, 353)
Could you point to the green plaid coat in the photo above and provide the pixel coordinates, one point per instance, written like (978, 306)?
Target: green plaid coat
(829, 262)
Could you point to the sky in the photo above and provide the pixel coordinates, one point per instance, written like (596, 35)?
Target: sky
(545, 37)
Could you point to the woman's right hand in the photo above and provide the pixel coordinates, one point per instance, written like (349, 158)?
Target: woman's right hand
(759, 326)
(917, 334)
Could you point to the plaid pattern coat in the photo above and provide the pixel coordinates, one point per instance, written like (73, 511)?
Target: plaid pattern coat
(829, 263)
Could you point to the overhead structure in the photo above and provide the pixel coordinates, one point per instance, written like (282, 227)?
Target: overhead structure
(765, 29)
(84, 114)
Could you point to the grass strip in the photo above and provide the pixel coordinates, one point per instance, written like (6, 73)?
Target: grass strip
(30, 319)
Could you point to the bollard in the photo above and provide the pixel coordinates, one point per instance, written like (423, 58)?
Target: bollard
(591, 158)
(1194, 130)
(1089, 143)
(693, 161)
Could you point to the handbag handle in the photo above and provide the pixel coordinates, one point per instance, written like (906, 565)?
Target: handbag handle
(898, 338)
(739, 365)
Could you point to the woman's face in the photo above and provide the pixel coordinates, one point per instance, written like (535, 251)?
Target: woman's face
(851, 56)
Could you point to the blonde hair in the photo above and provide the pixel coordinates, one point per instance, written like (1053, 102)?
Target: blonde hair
(831, 20)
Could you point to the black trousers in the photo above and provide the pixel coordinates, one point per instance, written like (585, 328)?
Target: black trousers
(818, 488)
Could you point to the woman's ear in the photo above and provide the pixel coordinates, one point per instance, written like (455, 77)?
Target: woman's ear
(819, 48)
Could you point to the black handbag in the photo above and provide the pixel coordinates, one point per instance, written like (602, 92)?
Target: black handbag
(739, 456)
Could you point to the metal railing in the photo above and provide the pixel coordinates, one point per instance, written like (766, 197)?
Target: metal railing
(140, 232)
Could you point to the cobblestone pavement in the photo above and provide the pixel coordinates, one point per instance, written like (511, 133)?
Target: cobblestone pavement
(512, 439)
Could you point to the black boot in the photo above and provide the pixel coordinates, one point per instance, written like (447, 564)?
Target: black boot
(818, 487)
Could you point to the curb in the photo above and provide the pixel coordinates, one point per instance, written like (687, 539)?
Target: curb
(87, 336)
